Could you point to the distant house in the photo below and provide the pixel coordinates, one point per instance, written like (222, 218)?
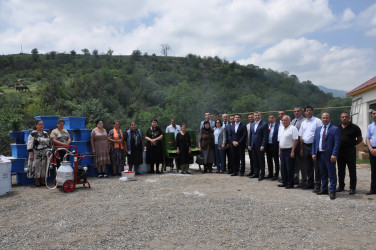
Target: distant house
(363, 101)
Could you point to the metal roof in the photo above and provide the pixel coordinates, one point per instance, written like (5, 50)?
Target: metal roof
(370, 84)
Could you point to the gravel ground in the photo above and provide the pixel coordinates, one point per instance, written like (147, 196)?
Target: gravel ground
(174, 211)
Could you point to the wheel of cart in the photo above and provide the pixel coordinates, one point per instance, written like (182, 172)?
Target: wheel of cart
(69, 186)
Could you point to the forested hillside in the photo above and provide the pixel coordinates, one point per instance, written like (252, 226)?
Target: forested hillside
(140, 86)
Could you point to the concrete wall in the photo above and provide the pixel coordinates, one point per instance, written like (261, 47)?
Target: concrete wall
(363, 120)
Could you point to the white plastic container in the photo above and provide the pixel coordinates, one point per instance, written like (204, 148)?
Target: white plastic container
(5, 175)
(128, 174)
(64, 173)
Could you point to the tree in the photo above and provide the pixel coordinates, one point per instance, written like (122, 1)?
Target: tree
(35, 54)
(109, 52)
(73, 53)
(92, 109)
(136, 54)
(165, 49)
(52, 54)
(95, 52)
(86, 52)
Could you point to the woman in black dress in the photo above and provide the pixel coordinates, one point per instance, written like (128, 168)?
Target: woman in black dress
(154, 151)
(183, 149)
(134, 148)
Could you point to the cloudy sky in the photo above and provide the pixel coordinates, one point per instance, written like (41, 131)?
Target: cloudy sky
(330, 42)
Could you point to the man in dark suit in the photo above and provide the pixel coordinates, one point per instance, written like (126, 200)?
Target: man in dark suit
(325, 147)
(225, 123)
(237, 138)
(257, 140)
(229, 162)
(272, 148)
(251, 119)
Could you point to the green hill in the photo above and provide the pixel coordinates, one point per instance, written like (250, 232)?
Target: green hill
(139, 87)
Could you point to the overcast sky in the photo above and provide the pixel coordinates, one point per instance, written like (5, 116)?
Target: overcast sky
(332, 43)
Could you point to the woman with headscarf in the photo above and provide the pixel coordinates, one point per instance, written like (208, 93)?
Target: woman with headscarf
(206, 146)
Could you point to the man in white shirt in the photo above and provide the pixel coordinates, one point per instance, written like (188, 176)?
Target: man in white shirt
(371, 143)
(173, 127)
(311, 178)
(288, 139)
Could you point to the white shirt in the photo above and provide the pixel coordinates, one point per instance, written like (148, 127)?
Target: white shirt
(236, 127)
(225, 124)
(286, 136)
(307, 129)
(171, 129)
(256, 124)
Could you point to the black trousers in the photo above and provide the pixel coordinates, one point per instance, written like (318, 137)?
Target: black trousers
(258, 161)
(229, 160)
(311, 167)
(238, 158)
(347, 156)
(252, 170)
(372, 160)
(272, 155)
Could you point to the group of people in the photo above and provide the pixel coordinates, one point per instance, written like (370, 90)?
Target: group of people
(109, 148)
(305, 150)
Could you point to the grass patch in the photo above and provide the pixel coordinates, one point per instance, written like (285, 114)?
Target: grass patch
(361, 161)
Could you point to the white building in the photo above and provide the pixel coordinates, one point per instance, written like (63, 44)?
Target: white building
(363, 100)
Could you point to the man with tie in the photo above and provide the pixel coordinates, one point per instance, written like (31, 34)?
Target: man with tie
(297, 122)
(257, 140)
(325, 147)
(272, 148)
(251, 119)
(351, 135)
(371, 143)
(237, 138)
(207, 118)
(310, 169)
(228, 128)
